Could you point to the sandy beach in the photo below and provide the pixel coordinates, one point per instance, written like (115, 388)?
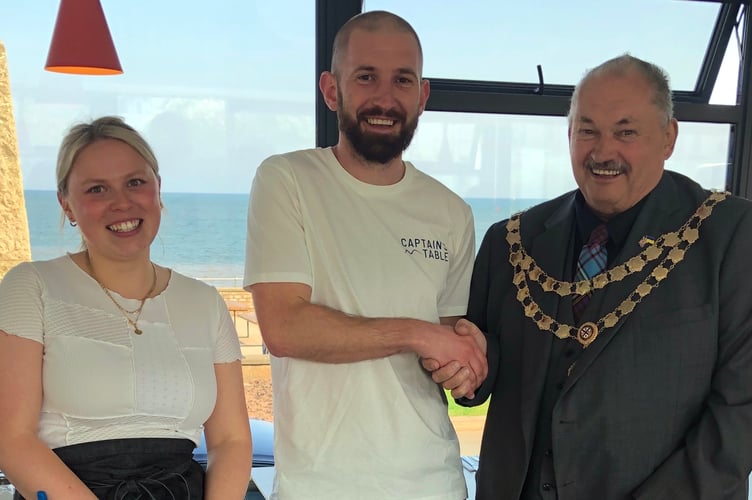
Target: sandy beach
(258, 392)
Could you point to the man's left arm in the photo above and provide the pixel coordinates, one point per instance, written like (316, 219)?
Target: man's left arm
(716, 457)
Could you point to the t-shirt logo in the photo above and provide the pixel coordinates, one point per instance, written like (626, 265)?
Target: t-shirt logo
(426, 248)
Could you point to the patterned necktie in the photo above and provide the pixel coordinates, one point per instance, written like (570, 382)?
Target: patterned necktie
(592, 261)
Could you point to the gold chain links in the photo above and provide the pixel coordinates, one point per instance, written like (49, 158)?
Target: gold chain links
(673, 244)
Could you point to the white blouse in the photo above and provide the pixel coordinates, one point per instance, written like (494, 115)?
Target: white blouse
(100, 379)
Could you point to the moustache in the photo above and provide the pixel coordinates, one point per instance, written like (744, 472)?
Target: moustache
(612, 165)
(395, 114)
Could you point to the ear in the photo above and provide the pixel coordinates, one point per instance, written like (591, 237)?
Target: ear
(425, 91)
(672, 132)
(64, 205)
(328, 88)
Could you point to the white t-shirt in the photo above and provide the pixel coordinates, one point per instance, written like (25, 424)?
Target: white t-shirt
(378, 428)
(100, 379)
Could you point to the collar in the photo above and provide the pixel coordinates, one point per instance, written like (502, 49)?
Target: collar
(618, 226)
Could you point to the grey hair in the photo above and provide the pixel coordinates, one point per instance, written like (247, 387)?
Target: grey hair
(85, 134)
(622, 65)
(372, 21)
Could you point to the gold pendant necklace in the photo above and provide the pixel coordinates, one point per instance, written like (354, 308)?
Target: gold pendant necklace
(526, 269)
(136, 313)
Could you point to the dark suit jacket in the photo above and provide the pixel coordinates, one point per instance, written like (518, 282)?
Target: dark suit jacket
(659, 406)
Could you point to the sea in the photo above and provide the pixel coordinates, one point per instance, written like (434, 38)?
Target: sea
(203, 235)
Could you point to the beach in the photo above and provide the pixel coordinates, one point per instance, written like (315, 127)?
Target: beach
(257, 377)
(257, 380)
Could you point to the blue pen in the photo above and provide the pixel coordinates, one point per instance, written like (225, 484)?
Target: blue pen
(41, 495)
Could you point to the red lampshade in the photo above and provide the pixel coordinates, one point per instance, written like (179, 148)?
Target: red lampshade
(82, 43)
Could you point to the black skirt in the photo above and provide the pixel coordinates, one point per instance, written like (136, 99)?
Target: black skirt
(136, 469)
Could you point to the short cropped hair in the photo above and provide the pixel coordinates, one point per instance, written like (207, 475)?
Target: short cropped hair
(655, 76)
(85, 134)
(375, 20)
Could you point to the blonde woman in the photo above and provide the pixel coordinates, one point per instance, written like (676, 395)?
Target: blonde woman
(110, 365)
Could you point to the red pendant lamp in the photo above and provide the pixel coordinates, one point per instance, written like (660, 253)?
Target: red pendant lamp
(81, 43)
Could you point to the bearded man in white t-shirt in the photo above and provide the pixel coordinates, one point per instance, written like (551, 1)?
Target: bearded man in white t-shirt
(359, 265)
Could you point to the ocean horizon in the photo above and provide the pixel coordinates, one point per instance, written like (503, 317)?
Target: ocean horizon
(203, 234)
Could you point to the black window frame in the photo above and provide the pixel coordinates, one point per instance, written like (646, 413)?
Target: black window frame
(474, 96)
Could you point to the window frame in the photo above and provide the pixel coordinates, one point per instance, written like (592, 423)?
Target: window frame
(474, 96)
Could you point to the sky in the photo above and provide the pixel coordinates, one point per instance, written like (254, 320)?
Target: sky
(218, 86)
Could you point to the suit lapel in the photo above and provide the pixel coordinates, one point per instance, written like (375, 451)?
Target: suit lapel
(548, 251)
(660, 214)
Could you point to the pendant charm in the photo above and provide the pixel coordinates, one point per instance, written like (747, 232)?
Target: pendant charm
(137, 330)
(586, 333)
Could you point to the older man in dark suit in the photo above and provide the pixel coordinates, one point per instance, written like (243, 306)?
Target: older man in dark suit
(618, 319)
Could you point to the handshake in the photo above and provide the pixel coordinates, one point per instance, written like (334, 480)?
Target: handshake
(457, 358)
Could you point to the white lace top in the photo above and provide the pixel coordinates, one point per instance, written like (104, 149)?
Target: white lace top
(100, 379)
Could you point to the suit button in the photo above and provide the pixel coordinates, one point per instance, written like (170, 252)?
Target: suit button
(548, 453)
(560, 385)
(547, 486)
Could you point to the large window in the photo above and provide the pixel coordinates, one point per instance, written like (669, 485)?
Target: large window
(214, 88)
(482, 65)
(217, 90)
(504, 41)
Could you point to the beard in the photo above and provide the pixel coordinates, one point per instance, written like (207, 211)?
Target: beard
(375, 148)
